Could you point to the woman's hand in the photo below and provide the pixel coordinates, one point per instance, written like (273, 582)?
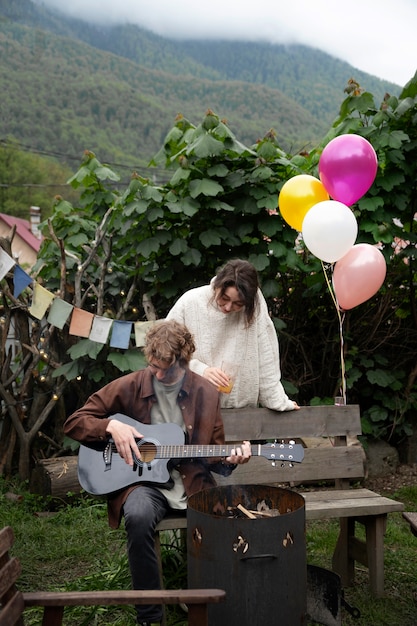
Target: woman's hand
(216, 376)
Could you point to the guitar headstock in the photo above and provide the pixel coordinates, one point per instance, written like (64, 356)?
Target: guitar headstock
(280, 452)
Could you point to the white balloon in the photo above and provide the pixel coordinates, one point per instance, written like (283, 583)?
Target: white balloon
(329, 230)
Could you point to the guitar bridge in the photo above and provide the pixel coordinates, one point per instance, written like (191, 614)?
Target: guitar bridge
(107, 455)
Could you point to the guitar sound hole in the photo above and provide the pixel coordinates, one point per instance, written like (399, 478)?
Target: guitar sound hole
(147, 452)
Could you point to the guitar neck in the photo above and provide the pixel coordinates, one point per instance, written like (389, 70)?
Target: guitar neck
(149, 449)
(193, 451)
(190, 451)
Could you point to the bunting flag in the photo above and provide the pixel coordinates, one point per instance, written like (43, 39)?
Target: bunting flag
(59, 312)
(6, 263)
(20, 281)
(41, 299)
(100, 329)
(120, 334)
(141, 328)
(81, 322)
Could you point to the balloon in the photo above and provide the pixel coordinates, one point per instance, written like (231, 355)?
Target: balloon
(358, 275)
(347, 168)
(329, 230)
(297, 196)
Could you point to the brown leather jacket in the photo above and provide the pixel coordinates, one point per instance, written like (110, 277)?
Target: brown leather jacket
(133, 395)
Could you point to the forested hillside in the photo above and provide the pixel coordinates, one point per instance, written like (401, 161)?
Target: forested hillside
(67, 96)
(68, 86)
(313, 79)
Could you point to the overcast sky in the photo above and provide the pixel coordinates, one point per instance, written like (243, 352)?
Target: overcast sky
(375, 36)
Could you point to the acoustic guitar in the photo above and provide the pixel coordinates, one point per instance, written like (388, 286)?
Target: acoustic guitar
(102, 471)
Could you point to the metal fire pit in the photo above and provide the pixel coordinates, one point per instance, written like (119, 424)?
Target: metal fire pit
(260, 561)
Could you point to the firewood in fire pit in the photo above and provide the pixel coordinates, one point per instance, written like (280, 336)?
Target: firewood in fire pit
(261, 510)
(245, 511)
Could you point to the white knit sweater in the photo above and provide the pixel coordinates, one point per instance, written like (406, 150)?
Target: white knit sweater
(219, 336)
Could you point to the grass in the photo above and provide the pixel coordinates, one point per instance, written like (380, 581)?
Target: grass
(70, 546)
(398, 607)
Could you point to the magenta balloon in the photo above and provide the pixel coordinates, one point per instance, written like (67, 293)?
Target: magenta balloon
(347, 168)
(358, 275)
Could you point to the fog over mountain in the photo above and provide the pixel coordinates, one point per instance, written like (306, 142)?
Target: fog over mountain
(376, 36)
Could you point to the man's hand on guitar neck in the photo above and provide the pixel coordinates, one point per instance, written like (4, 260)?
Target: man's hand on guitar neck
(124, 437)
(240, 454)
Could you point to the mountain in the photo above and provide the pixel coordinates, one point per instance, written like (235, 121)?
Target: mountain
(68, 86)
(310, 77)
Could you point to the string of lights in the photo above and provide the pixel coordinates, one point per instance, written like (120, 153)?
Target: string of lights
(155, 172)
(32, 185)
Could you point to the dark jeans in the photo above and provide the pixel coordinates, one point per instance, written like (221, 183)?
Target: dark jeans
(143, 509)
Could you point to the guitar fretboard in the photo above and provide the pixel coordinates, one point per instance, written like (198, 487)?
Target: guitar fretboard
(193, 451)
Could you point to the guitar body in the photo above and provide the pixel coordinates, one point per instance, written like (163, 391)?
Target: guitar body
(101, 472)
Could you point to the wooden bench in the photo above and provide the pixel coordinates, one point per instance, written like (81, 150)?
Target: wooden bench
(333, 456)
(13, 602)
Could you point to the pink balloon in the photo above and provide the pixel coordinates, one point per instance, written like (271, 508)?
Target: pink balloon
(347, 168)
(358, 275)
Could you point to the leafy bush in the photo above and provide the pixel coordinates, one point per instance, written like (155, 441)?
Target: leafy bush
(128, 254)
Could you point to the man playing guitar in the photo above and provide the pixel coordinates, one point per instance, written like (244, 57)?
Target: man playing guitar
(166, 391)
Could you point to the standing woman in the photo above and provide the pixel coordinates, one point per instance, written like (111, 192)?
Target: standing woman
(230, 322)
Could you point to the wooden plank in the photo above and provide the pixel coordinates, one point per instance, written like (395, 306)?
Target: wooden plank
(172, 522)
(12, 611)
(53, 616)
(10, 572)
(110, 597)
(309, 421)
(344, 495)
(375, 532)
(319, 464)
(6, 540)
(198, 615)
(343, 562)
(341, 495)
(348, 503)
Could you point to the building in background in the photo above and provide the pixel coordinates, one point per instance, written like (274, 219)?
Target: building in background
(27, 239)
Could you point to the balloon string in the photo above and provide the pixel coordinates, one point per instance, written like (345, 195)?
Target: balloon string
(341, 320)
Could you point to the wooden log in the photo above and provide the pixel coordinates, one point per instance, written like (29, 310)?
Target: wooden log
(411, 518)
(55, 477)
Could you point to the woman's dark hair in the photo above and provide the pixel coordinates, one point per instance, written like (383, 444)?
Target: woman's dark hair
(243, 276)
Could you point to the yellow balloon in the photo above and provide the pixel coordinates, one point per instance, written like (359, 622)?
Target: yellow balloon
(297, 196)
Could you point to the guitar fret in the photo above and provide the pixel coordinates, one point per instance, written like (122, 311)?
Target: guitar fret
(189, 451)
